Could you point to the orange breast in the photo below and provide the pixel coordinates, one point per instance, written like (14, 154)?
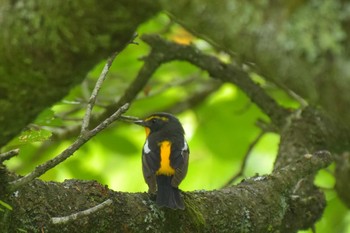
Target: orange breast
(165, 151)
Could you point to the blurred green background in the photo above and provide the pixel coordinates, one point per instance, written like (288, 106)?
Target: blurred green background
(219, 129)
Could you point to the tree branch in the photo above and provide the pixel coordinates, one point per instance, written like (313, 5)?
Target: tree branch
(92, 100)
(8, 155)
(251, 206)
(81, 140)
(72, 217)
(98, 85)
(169, 51)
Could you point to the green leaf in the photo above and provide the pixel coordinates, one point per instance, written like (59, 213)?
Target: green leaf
(30, 136)
(21, 230)
(34, 135)
(4, 204)
(48, 118)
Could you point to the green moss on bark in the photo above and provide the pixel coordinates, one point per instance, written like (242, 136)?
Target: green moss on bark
(48, 47)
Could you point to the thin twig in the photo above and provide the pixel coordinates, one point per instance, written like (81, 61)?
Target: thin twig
(92, 100)
(128, 118)
(109, 120)
(72, 217)
(8, 155)
(100, 80)
(245, 159)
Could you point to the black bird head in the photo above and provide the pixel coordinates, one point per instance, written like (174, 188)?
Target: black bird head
(161, 122)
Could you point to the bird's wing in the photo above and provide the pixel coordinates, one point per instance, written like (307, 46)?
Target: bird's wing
(150, 164)
(180, 163)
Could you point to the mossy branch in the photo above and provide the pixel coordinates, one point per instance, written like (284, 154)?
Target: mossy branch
(258, 204)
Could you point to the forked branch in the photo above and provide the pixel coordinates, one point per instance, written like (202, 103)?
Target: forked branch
(85, 134)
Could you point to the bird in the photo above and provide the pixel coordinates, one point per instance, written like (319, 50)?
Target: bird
(165, 156)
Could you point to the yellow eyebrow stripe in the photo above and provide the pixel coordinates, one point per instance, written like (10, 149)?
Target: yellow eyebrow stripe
(165, 151)
(157, 117)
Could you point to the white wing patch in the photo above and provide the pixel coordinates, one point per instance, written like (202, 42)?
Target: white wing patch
(146, 148)
(185, 147)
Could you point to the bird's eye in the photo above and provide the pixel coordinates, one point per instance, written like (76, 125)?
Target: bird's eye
(154, 120)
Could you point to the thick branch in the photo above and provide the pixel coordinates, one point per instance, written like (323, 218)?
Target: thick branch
(170, 51)
(309, 130)
(245, 207)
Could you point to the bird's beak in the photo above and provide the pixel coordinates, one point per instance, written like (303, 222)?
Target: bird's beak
(140, 122)
(144, 124)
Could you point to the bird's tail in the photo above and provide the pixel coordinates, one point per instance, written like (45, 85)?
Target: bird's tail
(168, 195)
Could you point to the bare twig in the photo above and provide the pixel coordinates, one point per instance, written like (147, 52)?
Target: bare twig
(245, 159)
(100, 80)
(128, 118)
(8, 155)
(72, 217)
(109, 120)
(92, 100)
